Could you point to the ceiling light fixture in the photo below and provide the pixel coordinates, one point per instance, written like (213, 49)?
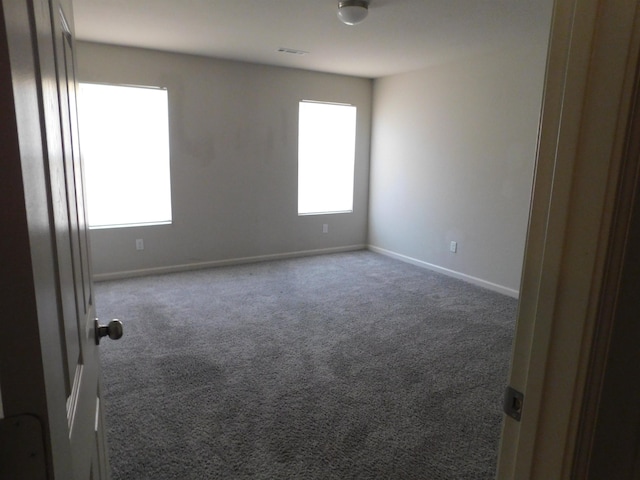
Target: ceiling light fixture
(352, 12)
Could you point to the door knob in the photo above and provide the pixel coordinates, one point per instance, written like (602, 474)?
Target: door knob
(113, 330)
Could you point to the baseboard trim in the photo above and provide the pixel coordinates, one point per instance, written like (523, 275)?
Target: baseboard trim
(100, 277)
(451, 273)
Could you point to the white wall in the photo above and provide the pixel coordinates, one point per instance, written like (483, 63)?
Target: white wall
(233, 135)
(453, 152)
(452, 157)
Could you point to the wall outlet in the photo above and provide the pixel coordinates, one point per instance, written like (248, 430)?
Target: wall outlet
(453, 247)
(325, 228)
(139, 244)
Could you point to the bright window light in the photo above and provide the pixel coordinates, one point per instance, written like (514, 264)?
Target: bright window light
(326, 157)
(124, 138)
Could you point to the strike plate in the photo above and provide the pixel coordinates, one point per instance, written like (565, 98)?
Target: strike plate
(513, 401)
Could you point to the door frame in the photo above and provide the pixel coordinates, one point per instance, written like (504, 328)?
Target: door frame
(610, 417)
(590, 79)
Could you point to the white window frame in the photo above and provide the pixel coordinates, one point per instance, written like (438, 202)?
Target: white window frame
(127, 167)
(326, 158)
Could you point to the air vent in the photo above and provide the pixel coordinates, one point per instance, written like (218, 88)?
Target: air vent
(292, 51)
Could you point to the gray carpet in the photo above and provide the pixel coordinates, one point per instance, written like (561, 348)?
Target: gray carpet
(346, 366)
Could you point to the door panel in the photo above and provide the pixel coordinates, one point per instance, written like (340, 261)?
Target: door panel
(64, 357)
(85, 421)
(59, 189)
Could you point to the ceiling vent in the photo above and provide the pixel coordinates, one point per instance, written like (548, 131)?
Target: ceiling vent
(292, 51)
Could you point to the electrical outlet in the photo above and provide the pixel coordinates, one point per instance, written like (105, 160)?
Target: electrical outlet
(325, 228)
(139, 244)
(453, 247)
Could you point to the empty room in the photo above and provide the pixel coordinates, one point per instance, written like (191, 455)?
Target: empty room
(384, 239)
(364, 334)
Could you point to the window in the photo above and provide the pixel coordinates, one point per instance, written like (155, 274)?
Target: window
(326, 157)
(124, 136)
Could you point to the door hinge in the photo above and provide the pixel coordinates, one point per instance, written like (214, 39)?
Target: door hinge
(513, 401)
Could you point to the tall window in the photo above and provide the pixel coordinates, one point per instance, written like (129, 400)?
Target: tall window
(124, 136)
(326, 157)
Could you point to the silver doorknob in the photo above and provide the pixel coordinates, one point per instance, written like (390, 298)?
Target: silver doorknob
(113, 330)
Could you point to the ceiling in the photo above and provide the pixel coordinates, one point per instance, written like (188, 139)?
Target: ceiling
(397, 36)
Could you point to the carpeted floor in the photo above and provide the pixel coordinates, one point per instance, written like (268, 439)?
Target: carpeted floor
(346, 366)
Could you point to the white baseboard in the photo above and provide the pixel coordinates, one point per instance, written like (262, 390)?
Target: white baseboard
(451, 273)
(221, 263)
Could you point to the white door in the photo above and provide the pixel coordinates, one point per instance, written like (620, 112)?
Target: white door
(50, 390)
